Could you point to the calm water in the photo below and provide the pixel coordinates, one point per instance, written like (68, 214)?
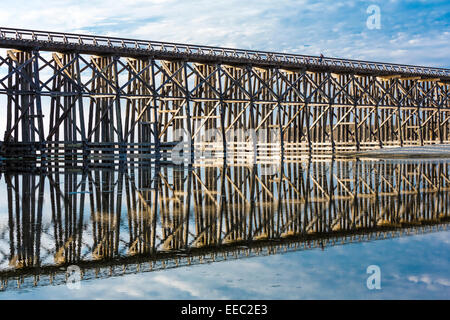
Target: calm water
(303, 230)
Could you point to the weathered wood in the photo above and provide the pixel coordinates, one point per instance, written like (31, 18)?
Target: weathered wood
(120, 103)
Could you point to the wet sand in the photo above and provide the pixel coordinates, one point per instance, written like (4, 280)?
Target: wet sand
(431, 151)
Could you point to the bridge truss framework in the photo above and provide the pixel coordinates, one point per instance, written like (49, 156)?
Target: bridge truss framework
(86, 97)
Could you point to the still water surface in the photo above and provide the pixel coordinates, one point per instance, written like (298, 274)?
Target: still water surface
(303, 230)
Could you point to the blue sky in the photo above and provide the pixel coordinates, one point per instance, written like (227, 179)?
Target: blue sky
(412, 32)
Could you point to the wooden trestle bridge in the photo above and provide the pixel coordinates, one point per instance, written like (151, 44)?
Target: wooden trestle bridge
(142, 219)
(92, 97)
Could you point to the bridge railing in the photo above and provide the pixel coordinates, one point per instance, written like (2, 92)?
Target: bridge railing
(199, 50)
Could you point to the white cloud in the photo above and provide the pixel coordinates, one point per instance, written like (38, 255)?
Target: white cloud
(432, 282)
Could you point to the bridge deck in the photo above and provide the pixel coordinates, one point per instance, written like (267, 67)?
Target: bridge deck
(103, 45)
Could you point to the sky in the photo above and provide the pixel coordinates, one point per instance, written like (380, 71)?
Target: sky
(411, 32)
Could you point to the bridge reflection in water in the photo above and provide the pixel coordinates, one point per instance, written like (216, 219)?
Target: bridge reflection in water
(138, 219)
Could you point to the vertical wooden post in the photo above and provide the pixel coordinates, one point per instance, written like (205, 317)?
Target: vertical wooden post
(156, 119)
(307, 111)
(331, 111)
(120, 136)
(79, 90)
(223, 108)
(188, 112)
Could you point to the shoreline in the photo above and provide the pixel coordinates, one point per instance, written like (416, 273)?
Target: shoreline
(414, 152)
